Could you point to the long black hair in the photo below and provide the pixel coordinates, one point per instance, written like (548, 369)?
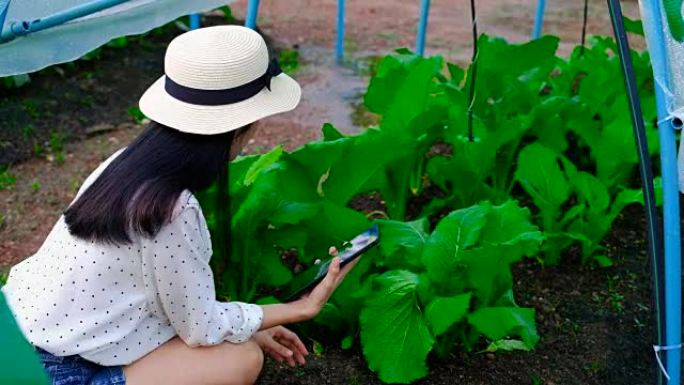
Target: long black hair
(138, 190)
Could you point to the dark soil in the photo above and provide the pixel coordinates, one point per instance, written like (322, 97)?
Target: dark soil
(73, 100)
(371, 204)
(65, 101)
(596, 327)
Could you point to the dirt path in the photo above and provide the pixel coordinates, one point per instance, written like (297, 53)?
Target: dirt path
(377, 27)
(381, 25)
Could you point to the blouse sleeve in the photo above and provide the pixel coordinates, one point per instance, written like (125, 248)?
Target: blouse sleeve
(178, 263)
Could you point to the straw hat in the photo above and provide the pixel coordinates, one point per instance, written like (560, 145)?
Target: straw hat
(216, 80)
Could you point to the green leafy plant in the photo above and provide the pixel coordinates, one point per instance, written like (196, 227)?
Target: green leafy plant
(118, 42)
(228, 14)
(288, 59)
(56, 142)
(16, 81)
(93, 55)
(507, 106)
(35, 185)
(673, 12)
(28, 131)
(137, 115)
(459, 290)
(7, 179)
(31, 108)
(38, 149)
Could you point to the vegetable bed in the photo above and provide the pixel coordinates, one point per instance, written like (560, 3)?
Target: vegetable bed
(595, 327)
(531, 173)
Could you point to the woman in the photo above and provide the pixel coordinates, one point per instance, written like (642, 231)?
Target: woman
(121, 291)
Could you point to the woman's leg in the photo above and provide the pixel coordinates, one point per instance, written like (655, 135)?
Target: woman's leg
(175, 363)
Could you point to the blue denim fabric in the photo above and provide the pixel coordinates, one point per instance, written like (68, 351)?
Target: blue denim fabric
(74, 370)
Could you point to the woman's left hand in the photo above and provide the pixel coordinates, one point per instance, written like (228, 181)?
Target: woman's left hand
(282, 345)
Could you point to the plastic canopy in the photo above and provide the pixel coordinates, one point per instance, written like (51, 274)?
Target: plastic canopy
(73, 39)
(671, 82)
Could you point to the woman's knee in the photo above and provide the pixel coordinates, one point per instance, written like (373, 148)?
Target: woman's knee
(252, 361)
(225, 364)
(256, 359)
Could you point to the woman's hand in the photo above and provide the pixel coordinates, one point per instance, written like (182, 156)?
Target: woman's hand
(282, 345)
(309, 305)
(313, 301)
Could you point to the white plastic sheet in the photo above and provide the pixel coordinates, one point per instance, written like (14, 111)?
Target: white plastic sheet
(72, 40)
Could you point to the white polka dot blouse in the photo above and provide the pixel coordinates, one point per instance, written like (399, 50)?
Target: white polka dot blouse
(114, 304)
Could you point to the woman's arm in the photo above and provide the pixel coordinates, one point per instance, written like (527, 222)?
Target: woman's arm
(282, 314)
(310, 304)
(176, 268)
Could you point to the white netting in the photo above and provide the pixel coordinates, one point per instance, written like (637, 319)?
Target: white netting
(72, 40)
(673, 85)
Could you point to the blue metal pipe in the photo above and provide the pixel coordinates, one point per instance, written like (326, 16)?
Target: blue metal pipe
(4, 6)
(339, 45)
(539, 19)
(673, 301)
(195, 21)
(668, 157)
(25, 27)
(422, 26)
(252, 12)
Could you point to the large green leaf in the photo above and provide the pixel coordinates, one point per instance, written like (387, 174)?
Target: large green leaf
(331, 226)
(261, 163)
(464, 173)
(592, 191)
(330, 132)
(487, 271)
(331, 317)
(269, 267)
(443, 312)
(454, 234)
(527, 60)
(340, 169)
(293, 212)
(395, 348)
(238, 170)
(499, 322)
(413, 96)
(510, 87)
(506, 346)
(276, 187)
(402, 242)
(315, 160)
(399, 85)
(509, 224)
(540, 175)
(597, 212)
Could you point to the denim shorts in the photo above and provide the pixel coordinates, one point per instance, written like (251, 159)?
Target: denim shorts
(75, 370)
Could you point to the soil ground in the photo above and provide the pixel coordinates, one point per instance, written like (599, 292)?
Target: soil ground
(595, 324)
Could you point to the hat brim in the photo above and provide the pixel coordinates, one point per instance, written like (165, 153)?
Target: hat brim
(163, 108)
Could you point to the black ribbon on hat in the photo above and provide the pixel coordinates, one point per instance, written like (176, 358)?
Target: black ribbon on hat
(225, 96)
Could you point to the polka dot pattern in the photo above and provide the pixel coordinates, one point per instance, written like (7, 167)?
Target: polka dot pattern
(114, 304)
